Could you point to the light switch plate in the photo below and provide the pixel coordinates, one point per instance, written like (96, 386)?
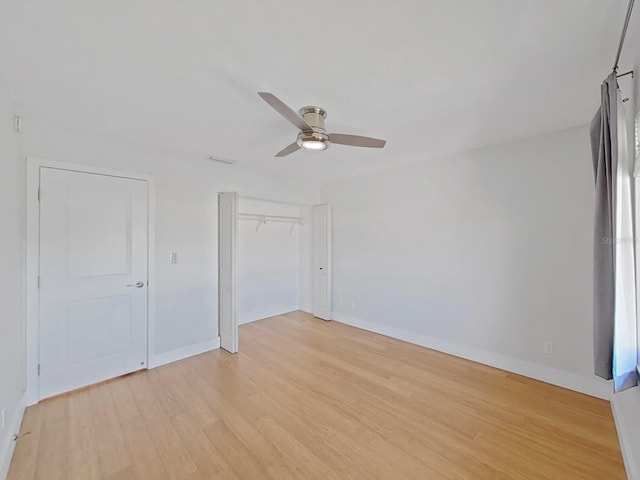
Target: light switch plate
(173, 258)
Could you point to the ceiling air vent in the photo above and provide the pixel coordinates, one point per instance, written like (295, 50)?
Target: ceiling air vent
(226, 161)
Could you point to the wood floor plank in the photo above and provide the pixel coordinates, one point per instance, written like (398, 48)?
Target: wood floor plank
(209, 461)
(309, 399)
(172, 451)
(51, 462)
(29, 442)
(111, 448)
(242, 460)
(145, 461)
(82, 449)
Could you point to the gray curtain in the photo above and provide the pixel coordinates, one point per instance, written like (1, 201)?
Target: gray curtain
(604, 148)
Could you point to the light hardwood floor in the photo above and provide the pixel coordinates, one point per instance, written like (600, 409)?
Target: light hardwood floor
(308, 399)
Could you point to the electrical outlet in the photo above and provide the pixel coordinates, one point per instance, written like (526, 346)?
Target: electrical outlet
(3, 419)
(548, 347)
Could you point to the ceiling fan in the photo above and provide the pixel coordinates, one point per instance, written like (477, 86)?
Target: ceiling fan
(312, 134)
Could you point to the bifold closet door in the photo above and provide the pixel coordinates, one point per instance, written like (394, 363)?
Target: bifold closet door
(227, 246)
(322, 261)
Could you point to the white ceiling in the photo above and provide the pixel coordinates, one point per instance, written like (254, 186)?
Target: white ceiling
(431, 77)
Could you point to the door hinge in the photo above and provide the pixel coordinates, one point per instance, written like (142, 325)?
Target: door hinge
(38, 369)
(38, 281)
(17, 123)
(38, 193)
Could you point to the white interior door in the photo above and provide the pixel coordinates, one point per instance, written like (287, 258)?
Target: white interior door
(93, 278)
(227, 245)
(322, 261)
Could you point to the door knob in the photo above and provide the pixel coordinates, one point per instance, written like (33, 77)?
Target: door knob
(137, 285)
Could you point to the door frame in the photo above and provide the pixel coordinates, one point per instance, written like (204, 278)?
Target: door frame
(32, 263)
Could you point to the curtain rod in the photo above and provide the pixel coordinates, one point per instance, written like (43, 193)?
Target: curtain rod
(624, 33)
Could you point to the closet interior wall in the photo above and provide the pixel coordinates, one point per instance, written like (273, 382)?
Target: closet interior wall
(273, 259)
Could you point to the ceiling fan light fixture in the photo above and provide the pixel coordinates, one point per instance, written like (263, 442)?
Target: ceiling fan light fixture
(315, 145)
(313, 141)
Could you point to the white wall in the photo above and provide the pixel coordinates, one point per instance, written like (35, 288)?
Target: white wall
(487, 254)
(626, 406)
(270, 279)
(630, 60)
(186, 310)
(11, 282)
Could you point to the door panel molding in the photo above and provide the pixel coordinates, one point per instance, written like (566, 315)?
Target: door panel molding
(32, 264)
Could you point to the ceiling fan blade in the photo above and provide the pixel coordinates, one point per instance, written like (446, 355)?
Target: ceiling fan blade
(294, 147)
(356, 140)
(284, 110)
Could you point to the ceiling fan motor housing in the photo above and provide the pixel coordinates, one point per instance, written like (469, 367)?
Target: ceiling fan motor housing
(314, 116)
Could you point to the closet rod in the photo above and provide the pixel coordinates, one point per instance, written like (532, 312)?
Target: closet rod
(259, 216)
(283, 202)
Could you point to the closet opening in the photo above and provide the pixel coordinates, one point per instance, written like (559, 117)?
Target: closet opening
(274, 258)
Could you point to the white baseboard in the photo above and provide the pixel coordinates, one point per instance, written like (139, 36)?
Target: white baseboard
(297, 309)
(261, 315)
(587, 385)
(184, 352)
(626, 413)
(305, 308)
(9, 444)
